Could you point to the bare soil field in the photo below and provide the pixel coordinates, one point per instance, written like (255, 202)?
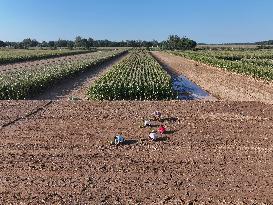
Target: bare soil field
(10, 111)
(222, 84)
(213, 153)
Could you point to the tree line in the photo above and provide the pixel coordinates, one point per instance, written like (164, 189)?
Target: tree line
(265, 43)
(174, 42)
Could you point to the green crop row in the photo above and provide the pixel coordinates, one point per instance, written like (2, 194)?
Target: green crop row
(258, 68)
(238, 55)
(138, 77)
(14, 56)
(24, 83)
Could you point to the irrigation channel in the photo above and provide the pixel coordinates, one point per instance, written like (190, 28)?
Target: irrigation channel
(185, 88)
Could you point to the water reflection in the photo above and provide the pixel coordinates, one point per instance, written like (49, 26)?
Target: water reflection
(188, 90)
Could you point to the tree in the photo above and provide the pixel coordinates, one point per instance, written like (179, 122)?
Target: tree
(44, 44)
(26, 43)
(51, 44)
(61, 43)
(270, 42)
(174, 42)
(2, 44)
(70, 44)
(91, 42)
(84, 43)
(78, 42)
(34, 43)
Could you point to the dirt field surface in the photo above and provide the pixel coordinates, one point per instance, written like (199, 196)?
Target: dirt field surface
(220, 83)
(10, 111)
(213, 153)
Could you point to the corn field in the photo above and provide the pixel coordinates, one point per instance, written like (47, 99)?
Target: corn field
(20, 84)
(14, 56)
(138, 77)
(256, 63)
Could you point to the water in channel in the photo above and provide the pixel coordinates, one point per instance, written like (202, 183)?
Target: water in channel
(187, 90)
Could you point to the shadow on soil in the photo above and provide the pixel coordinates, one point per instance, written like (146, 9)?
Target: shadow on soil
(169, 119)
(169, 132)
(130, 142)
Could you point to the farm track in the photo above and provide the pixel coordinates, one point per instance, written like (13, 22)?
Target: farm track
(35, 64)
(222, 84)
(76, 87)
(218, 153)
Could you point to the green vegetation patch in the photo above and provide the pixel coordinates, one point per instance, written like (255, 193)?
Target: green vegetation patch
(21, 84)
(256, 63)
(14, 56)
(138, 77)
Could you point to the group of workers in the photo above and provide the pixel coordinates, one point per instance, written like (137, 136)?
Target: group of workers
(119, 139)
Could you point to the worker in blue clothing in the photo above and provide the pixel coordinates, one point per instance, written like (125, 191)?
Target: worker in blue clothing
(118, 140)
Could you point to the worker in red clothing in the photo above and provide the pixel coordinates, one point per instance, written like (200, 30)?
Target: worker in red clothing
(161, 129)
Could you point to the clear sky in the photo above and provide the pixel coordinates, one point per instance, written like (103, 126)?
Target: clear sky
(209, 21)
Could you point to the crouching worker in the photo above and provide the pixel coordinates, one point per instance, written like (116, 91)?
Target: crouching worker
(161, 129)
(118, 140)
(147, 123)
(157, 115)
(153, 135)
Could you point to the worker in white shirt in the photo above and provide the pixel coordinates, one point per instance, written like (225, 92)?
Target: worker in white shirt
(153, 135)
(147, 123)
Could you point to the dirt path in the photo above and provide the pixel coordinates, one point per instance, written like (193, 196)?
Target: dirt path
(215, 153)
(220, 83)
(77, 86)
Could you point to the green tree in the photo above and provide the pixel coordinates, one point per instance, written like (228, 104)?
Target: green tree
(78, 42)
(174, 42)
(2, 44)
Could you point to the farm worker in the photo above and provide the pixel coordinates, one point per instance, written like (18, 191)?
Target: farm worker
(153, 135)
(162, 129)
(157, 115)
(147, 123)
(118, 140)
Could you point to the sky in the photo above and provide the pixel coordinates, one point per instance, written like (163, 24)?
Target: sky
(205, 21)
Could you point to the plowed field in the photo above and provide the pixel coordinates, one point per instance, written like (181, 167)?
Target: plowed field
(213, 153)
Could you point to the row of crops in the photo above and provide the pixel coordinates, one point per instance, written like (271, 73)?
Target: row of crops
(138, 77)
(258, 63)
(15, 56)
(21, 84)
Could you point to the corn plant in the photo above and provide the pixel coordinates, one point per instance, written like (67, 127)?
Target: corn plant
(14, 56)
(138, 77)
(21, 84)
(256, 63)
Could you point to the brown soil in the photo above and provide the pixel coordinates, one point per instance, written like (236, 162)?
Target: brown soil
(77, 86)
(9, 111)
(220, 83)
(215, 153)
